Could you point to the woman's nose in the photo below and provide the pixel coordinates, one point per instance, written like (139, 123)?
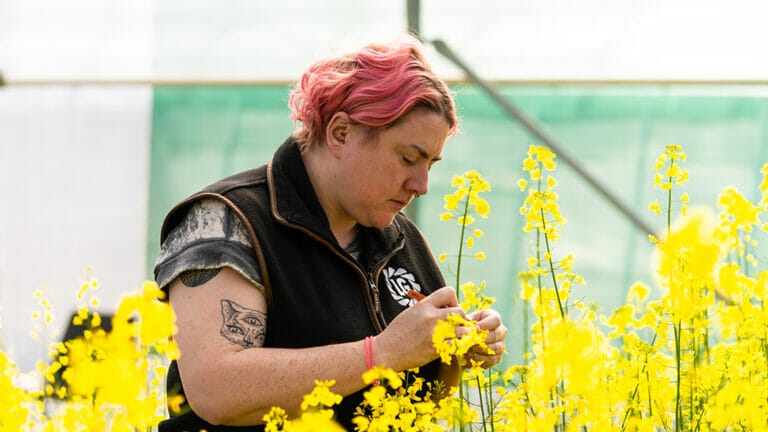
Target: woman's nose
(419, 184)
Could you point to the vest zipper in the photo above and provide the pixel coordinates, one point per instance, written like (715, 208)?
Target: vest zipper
(375, 291)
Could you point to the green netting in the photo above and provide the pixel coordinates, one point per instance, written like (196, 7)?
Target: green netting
(201, 134)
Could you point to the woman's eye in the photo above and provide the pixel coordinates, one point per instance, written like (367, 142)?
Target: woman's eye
(407, 161)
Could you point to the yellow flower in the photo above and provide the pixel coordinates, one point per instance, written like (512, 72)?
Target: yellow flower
(96, 320)
(315, 421)
(637, 293)
(276, 420)
(449, 345)
(443, 256)
(465, 220)
(175, 402)
(551, 182)
(385, 375)
(321, 396)
(482, 207)
(738, 211)
(654, 207)
(480, 256)
(451, 203)
(474, 297)
(674, 173)
(686, 262)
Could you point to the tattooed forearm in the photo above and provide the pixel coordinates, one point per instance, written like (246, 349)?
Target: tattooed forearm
(195, 278)
(243, 326)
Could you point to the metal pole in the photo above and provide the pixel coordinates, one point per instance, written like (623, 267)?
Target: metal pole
(542, 135)
(414, 17)
(413, 10)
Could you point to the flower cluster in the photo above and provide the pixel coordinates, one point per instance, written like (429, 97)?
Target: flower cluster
(400, 402)
(462, 204)
(316, 412)
(540, 208)
(102, 380)
(454, 337)
(468, 188)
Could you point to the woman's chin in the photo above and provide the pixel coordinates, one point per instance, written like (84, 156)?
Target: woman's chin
(380, 222)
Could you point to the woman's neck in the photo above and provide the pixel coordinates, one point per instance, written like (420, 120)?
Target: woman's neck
(320, 174)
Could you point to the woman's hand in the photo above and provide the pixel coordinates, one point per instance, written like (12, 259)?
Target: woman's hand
(407, 341)
(490, 320)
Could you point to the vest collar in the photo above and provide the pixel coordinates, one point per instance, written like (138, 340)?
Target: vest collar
(293, 200)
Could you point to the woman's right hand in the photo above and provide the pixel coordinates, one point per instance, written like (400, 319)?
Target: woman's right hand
(407, 341)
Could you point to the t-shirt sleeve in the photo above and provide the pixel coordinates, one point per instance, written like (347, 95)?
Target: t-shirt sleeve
(210, 236)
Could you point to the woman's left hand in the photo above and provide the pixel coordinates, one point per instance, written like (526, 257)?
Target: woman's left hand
(490, 320)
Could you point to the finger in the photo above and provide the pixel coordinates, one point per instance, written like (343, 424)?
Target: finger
(482, 360)
(456, 310)
(496, 335)
(488, 320)
(443, 297)
(496, 348)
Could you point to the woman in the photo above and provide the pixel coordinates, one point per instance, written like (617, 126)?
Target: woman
(289, 272)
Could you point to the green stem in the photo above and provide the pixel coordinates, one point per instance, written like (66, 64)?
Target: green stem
(489, 399)
(669, 201)
(539, 286)
(525, 332)
(482, 405)
(462, 426)
(552, 266)
(562, 413)
(650, 400)
(636, 390)
(765, 337)
(461, 244)
(462, 400)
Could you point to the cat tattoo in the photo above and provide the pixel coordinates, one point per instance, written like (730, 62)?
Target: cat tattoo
(243, 326)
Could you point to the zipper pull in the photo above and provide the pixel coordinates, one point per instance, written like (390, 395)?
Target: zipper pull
(375, 290)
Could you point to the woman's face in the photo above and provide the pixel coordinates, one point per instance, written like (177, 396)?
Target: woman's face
(378, 173)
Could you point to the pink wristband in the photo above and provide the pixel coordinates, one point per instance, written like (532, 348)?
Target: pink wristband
(369, 361)
(368, 344)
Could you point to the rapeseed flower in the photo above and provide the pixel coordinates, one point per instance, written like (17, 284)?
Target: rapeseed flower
(316, 412)
(321, 396)
(104, 380)
(474, 297)
(540, 207)
(400, 403)
(454, 337)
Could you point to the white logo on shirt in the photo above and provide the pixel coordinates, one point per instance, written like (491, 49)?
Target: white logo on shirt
(399, 282)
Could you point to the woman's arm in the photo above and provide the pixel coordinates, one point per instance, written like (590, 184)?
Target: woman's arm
(230, 378)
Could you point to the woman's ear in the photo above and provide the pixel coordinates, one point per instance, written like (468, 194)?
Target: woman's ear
(336, 132)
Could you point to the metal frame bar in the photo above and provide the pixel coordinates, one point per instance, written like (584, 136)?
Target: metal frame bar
(542, 135)
(235, 82)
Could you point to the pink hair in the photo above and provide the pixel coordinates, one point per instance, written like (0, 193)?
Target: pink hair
(375, 86)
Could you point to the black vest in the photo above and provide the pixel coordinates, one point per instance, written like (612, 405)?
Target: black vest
(317, 293)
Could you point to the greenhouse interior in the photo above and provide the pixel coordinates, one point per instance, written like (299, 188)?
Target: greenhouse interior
(113, 112)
